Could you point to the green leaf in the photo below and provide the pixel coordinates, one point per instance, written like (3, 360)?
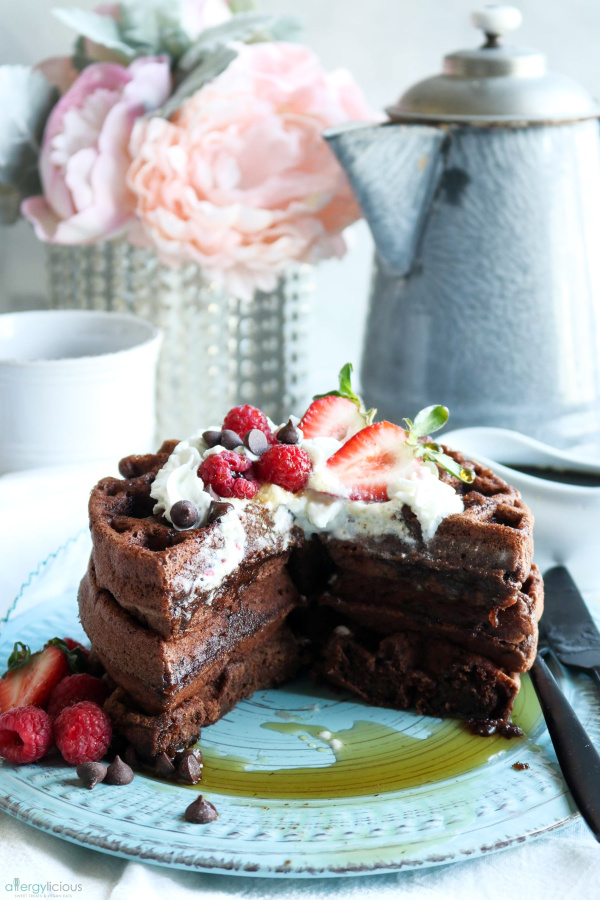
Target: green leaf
(26, 100)
(214, 63)
(242, 28)
(154, 27)
(435, 453)
(76, 658)
(429, 420)
(103, 30)
(19, 657)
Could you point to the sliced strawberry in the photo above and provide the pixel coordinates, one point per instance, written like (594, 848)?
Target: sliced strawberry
(372, 460)
(32, 683)
(334, 417)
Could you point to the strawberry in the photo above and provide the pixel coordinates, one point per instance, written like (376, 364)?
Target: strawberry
(372, 460)
(31, 678)
(338, 414)
(334, 417)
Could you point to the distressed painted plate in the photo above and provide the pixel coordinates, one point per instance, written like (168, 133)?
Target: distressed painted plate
(307, 782)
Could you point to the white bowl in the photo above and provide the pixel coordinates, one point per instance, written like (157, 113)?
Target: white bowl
(76, 386)
(567, 516)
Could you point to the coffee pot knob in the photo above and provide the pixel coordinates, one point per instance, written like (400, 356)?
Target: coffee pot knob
(496, 21)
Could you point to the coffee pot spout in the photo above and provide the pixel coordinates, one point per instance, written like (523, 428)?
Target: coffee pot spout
(394, 170)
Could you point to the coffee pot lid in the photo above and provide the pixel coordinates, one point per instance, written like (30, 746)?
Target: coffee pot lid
(496, 82)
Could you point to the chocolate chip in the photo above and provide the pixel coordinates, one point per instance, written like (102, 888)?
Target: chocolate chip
(200, 812)
(131, 758)
(230, 440)
(119, 772)
(164, 766)
(191, 751)
(212, 438)
(289, 434)
(217, 510)
(189, 770)
(91, 774)
(184, 514)
(256, 442)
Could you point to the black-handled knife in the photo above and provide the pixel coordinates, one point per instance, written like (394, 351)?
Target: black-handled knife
(567, 624)
(576, 755)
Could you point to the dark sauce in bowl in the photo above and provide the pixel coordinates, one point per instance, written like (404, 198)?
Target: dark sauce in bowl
(563, 476)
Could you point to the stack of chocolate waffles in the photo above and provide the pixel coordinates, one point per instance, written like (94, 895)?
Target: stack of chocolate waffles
(444, 626)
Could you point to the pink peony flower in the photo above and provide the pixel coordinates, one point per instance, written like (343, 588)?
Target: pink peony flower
(241, 180)
(85, 151)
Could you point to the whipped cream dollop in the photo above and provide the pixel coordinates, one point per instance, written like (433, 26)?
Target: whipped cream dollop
(320, 507)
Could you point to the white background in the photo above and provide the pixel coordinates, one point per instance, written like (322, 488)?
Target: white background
(387, 44)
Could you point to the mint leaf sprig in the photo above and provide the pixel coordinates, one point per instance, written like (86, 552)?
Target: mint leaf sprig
(428, 421)
(346, 391)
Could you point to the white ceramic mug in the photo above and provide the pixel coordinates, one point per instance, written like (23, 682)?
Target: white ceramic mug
(75, 386)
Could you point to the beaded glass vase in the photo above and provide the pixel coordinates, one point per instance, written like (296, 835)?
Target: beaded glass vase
(218, 351)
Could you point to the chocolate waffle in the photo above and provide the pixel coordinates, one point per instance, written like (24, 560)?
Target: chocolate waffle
(185, 630)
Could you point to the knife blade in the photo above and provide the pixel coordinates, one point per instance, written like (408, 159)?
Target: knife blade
(567, 625)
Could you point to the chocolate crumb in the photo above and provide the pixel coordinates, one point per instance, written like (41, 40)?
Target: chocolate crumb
(91, 774)
(488, 727)
(200, 812)
(164, 766)
(119, 772)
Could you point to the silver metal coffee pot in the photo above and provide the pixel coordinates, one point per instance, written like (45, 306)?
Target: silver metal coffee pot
(482, 192)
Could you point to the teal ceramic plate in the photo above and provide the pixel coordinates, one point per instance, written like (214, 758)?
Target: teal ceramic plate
(307, 782)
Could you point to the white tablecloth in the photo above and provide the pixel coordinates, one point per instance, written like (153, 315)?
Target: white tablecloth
(38, 512)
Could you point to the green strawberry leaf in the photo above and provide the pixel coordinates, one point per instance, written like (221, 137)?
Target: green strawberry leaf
(19, 657)
(76, 657)
(345, 390)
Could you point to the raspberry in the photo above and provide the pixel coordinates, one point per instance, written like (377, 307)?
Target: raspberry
(73, 689)
(285, 465)
(82, 733)
(243, 419)
(25, 734)
(229, 474)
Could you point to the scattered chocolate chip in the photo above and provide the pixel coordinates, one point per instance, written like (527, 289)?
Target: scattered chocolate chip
(191, 751)
(189, 770)
(200, 812)
(256, 442)
(217, 510)
(289, 434)
(131, 758)
(119, 772)
(184, 514)
(164, 766)
(212, 438)
(91, 774)
(230, 440)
